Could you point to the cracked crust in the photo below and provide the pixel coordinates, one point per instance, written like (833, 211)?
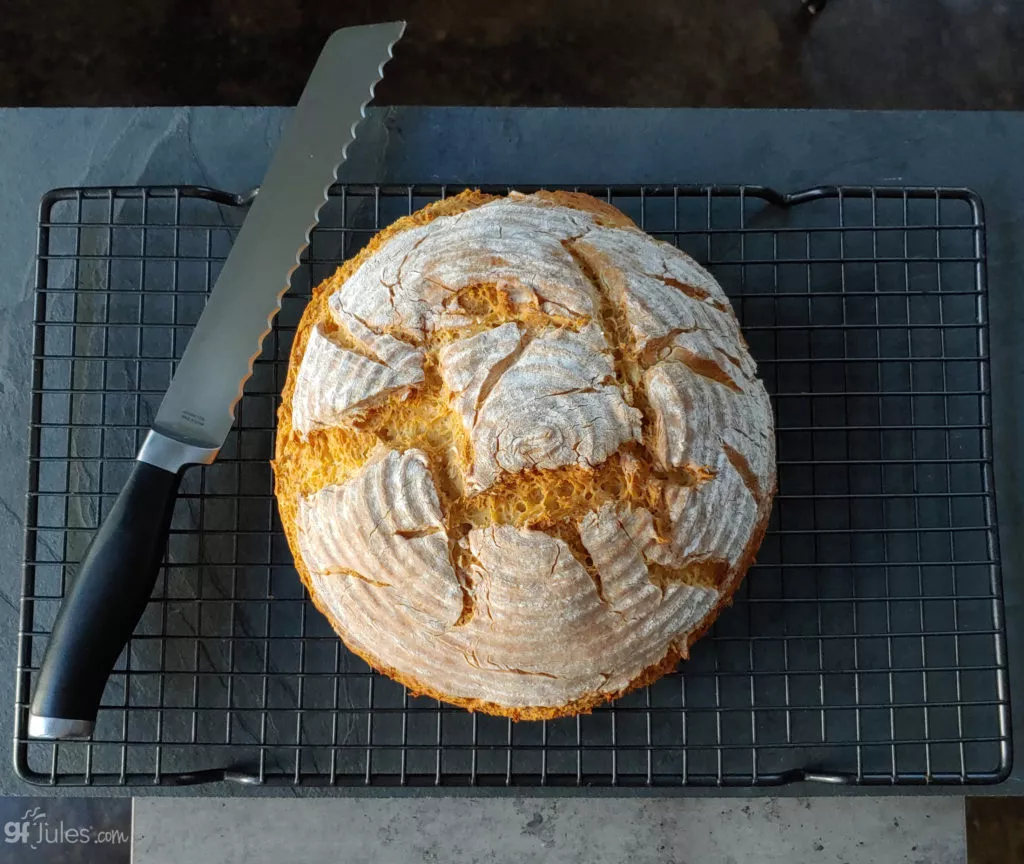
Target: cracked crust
(359, 375)
(536, 402)
(613, 515)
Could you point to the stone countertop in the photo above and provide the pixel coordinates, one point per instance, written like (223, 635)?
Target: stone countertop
(552, 831)
(229, 148)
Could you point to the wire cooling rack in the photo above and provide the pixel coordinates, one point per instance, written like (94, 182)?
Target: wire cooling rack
(866, 645)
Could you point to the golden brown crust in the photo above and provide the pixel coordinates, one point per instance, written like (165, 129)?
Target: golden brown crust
(579, 706)
(287, 489)
(606, 213)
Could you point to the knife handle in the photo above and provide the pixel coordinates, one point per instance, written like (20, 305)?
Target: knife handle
(106, 600)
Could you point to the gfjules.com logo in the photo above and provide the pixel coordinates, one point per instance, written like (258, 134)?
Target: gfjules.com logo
(34, 830)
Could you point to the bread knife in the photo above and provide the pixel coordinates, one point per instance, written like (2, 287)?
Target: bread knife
(116, 578)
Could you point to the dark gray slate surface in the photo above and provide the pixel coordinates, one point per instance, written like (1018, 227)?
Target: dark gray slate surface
(229, 148)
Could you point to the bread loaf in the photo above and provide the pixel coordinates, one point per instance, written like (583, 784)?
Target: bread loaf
(523, 455)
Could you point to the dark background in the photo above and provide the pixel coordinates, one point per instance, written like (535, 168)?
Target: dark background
(966, 54)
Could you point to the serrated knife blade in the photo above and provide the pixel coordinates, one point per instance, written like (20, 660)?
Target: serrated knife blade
(116, 577)
(199, 405)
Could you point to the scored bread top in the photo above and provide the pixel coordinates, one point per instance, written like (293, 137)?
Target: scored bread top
(539, 401)
(523, 455)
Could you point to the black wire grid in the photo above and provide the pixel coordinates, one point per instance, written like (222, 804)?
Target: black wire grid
(866, 645)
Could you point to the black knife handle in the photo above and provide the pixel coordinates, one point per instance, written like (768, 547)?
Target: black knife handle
(105, 602)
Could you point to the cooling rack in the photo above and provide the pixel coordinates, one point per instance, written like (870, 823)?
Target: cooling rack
(865, 647)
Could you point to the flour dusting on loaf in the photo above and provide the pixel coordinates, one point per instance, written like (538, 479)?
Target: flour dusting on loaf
(538, 402)
(523, 456)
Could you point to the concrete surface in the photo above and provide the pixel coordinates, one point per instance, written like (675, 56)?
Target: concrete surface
(526, 830)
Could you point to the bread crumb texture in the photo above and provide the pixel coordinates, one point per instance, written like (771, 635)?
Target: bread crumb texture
(523, 456)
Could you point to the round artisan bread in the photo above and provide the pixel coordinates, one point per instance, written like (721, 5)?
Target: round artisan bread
(523, 455)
